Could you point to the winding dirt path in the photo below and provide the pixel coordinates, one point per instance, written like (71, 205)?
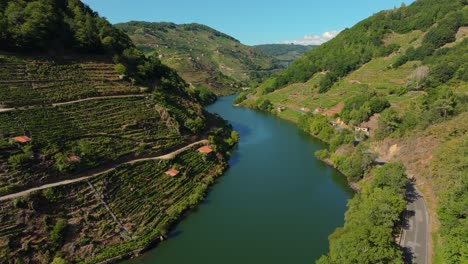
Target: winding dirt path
(100, 97)
(66, 182)
(75, 101)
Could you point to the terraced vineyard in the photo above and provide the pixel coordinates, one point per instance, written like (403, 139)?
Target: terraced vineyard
(123, 127)
(26, 81)
(75, 123)
(75, 118)
(144, 199)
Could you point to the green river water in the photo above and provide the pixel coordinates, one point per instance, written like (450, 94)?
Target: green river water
(276, 204)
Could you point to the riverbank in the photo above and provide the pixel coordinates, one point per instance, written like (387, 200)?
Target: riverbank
(355, 186)
(155, 241)
(357, 164)
(272, 182)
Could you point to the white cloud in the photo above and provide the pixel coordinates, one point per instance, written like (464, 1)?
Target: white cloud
(314, 39)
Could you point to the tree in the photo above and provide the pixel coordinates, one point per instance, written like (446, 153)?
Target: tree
(391, 176)
(388, 122)
(57, 235)
(59, 260)
(120, 69)
(417, 78)
(445, 102)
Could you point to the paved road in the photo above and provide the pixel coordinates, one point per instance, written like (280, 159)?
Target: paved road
(415, 237)
(66, 182)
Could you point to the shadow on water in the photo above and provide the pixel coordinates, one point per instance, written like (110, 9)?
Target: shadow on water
(175, 233)
(242, 130)
(234, 158)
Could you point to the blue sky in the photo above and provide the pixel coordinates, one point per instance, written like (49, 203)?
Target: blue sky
(251, 21)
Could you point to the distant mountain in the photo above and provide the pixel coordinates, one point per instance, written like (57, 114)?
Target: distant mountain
(202, 55)
(285, 53)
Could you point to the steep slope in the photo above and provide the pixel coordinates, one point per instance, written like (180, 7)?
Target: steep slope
(97, 148)
(202, 55)
(395, 85)
(285, 53)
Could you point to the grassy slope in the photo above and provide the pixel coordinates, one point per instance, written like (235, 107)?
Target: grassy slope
(417, 150)
(374, 74)
(202, 55)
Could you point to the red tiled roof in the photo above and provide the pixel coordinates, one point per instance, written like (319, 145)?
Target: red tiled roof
(205, 150)
(22, 139)
(71, 158)
(172, 172)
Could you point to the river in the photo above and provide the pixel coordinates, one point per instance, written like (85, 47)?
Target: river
(276, 203)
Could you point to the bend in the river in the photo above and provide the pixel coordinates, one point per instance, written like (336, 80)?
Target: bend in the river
(276, 204)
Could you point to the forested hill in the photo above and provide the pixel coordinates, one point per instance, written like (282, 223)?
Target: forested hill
(202, 55)
(285, 53)
(392, 88)
(98, 142)
(356, 46)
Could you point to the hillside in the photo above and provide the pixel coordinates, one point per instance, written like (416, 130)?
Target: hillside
(400, 76)
(98, 143)
(284, 53)
(202, 55)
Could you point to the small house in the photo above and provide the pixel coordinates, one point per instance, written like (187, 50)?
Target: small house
(318, 110)
(22, 139)
(280, 108)
(72, 158)
(205, 150)
(172, 172)
(363, 129)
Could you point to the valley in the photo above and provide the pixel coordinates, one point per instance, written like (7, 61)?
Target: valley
(116, 138)
(203, 56)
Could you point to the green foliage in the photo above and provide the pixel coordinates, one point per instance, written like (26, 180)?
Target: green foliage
(389, 121)
(355, 165)
(62, 164)
(449, 172)
(200, 51)
(358, 45)
(20, 160)
(343, 137)
(240, 98)
(367, 236)
(57, 235)
(284, 53)
(202, 95)
(391, 176)
(223, 139)
(52, 195)
(120, 69)
(263, 105)
(447, 64)
(322, 154)
(318, 126)
(327, 82)
(361, 107)
(61, 24)
(59, 260)
(195, 125)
